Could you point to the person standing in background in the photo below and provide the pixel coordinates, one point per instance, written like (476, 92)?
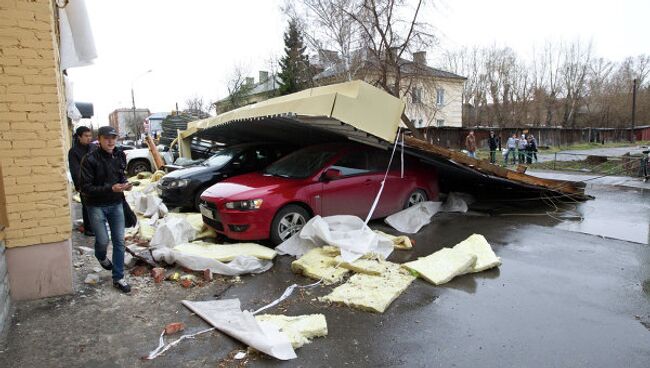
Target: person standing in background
(470, 144)
(521, 146)
(494, 144)
(511, 148)
(80, 147)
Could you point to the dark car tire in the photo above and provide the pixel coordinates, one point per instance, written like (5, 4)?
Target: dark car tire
(415, 197)
(296, 217)
(197, 198)
(138, 166)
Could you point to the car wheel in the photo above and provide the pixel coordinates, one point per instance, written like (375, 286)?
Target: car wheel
(416, 196)
(287, 222)
(137, 166)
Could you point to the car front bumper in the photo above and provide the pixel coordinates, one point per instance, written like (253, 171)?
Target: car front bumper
(177, 197)
(238, 225)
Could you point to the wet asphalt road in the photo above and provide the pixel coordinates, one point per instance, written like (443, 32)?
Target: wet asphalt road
(562, 298)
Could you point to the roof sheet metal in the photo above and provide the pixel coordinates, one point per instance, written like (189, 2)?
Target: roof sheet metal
(354, 103)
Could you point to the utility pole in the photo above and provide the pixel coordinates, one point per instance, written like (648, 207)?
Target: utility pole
(632, 137)
(135, 122)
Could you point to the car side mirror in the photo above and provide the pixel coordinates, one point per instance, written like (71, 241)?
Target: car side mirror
(331, 174)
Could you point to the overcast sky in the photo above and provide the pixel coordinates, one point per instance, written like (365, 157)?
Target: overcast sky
(192, 46)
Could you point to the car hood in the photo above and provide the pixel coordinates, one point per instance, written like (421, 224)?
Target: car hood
(248, 186)
(190, 172)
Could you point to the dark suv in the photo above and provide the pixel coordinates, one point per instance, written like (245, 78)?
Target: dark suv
(183, 188)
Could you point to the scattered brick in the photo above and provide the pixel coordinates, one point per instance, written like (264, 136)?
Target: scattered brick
(158, 275)
(172, 328)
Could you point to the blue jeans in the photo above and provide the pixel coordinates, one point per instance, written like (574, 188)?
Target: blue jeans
(471, 154)
(114, 215)
(508, 152)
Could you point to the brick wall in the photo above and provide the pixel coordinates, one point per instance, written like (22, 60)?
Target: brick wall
(32, 125)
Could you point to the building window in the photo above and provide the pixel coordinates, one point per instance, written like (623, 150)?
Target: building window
(440, 122)
(416, 95)
(440, 96)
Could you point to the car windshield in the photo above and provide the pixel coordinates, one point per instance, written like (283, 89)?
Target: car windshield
(300, 164)
(221, 158)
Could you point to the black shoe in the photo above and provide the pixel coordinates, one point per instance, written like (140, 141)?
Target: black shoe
(106, 264)
(122, 286)
(89, 233)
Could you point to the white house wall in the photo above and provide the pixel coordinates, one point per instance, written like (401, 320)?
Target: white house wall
(427, 113)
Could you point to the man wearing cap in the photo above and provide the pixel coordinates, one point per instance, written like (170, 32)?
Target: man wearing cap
(103, 184)
(81, 146)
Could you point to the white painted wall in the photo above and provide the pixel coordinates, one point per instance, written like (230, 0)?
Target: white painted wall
(429, 112)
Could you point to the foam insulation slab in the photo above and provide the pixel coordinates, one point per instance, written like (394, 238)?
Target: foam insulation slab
(318, 264)
(401, 242)
(477, 245)
(145, 230)
(225, 252)
(367, 266)
(299, 329)
(443, 265)
(372, 293)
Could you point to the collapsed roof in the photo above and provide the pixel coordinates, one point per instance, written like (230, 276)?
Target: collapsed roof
(360, 112)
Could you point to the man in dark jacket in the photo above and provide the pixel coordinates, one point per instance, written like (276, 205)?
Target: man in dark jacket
(80, 147)
(103, 184)
(494, 143)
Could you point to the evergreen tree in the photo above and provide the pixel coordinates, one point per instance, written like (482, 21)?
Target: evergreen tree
(294, 66)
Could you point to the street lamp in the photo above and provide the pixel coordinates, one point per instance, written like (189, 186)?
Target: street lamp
(133, 102)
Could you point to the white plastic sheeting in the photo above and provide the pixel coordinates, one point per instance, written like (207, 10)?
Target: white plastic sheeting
(457, 202)
(76, 43)
(349, 233)
(412, 219)
(150, 205)
(172, 231)
(240, 265)
(227, 317)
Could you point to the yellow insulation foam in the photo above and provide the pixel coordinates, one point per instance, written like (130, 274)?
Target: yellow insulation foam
(477, 245)
(372, 293)
(225, 252)
(318, 264)
(443, 265)
(299, 329)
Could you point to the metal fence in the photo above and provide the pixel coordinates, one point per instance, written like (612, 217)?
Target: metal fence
(626, 165)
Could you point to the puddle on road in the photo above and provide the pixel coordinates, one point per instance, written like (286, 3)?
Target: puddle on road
(615, 213)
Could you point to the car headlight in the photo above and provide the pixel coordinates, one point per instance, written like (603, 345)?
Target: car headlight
(252, 204)
(180, 183)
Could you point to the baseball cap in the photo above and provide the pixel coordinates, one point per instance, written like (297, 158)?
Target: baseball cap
(106, 131)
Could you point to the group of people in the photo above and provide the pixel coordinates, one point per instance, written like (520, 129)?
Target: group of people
(522, 149)
(98, 175)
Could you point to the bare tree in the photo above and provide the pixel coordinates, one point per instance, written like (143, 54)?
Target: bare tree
(574, 72)
(197, 104)
(327, 26)
(239, 88)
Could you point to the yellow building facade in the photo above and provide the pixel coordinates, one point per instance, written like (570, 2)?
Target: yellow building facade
(35, 224)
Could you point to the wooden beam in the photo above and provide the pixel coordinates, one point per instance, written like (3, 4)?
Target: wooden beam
(416, 133)
(157, 160)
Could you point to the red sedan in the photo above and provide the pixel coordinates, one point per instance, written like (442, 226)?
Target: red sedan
(331, 179)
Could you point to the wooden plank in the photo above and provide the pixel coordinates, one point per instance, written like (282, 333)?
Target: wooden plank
(157, 160)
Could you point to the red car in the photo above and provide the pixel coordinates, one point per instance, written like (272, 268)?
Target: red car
(331, 179)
